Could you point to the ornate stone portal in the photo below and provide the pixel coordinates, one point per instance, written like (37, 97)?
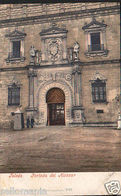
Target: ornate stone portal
(54, 52)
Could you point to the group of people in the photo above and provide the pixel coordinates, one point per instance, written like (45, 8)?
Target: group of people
(30, 122)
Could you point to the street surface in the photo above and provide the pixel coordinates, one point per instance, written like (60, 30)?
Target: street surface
(60, 149)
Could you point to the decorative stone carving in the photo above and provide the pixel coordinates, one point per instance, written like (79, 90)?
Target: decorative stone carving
(32, 72)
(54, 76)
(32, 55)
(68, 77)
(96, 76)
(70, 54)
(15, 81)
(55, 49)
(76, 51)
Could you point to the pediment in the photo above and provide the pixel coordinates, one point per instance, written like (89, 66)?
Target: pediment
(53, 30)
(15, 81)
(16, 33)
(94, 25)
(98, 76)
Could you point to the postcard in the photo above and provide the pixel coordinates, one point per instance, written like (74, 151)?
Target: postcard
(60, 120)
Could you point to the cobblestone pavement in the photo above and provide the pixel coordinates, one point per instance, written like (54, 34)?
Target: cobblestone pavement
(60, 149)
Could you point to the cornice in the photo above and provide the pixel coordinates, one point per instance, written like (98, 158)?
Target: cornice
(12, 69)
(63, 16)
(113, 61)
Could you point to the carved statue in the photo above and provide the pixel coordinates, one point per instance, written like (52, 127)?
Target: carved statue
(32, 51)
(38, 57)
(70, 54)
(76, 51)
(32, 54)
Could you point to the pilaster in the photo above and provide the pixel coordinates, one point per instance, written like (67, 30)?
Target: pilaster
(77, 109)
(31, 77)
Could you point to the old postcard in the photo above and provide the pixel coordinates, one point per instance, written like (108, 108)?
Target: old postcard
(60, 121)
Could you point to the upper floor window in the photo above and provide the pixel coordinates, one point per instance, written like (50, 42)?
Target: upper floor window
(99, 91)
(95, 38)
(14, 95)
(16, 50)
(95, 41)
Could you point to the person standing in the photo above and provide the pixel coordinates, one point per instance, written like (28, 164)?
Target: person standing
(32, 122)
(28, 122)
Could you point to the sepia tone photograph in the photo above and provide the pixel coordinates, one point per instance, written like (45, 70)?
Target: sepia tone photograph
(60, 87)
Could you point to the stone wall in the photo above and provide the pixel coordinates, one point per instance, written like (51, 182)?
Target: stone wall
(28, 20)
(75, 33)
(7, 78)
(11, 11)
(111, 107)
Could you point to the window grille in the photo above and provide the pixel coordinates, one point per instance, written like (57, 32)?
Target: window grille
(99, 91)
(14, 95)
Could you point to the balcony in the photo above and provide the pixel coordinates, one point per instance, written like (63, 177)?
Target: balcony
(95, 47)
(15, 57)
(96, 50)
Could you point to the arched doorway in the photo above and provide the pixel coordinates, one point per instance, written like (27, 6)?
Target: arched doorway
(55, 99)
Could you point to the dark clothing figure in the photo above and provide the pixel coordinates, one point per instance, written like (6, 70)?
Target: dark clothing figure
(32, 122)
(28, 123)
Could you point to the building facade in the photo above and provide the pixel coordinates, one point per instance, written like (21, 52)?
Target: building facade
(60, 63)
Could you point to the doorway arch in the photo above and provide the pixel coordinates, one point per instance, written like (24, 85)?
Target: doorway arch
(55, 99)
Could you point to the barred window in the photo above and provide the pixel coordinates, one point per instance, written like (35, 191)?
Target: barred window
(99, 91)
(14, 95)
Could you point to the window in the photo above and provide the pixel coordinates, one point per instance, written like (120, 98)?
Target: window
(95, 41)
(99, 91)
(14, 95)
(16, 50)
(95, 38)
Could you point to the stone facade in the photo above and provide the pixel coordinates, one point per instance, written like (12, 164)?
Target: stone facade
(55, 52)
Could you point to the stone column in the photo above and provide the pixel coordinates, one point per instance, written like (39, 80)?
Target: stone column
(31, 110)
(77, 84)
(31, 76)
(77, 109)
(31, 92)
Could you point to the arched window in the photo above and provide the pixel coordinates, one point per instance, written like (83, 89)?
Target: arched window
(99, 91)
